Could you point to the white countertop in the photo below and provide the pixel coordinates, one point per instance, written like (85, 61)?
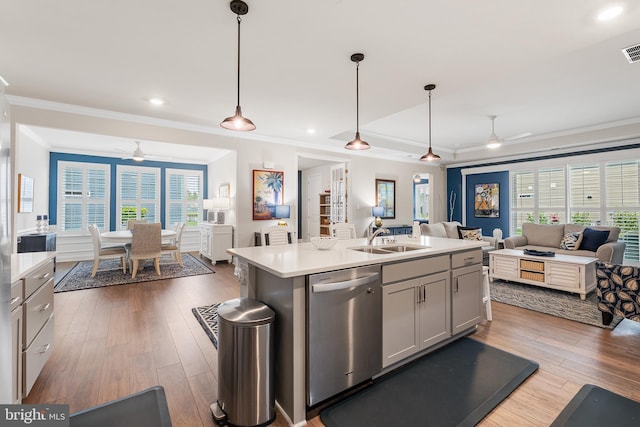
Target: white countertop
(300, 259)
(23, 264)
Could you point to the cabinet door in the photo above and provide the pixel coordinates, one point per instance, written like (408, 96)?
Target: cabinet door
(205, 241)
(221, 240)
(504, 267)
(563, 274)
(466, 297)
(399, 321)
(16, 356)
(434, 324)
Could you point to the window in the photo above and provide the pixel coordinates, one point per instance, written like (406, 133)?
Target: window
(184, 197)
(82, 197)
(421, 200)
(599, 193)
(138, 194)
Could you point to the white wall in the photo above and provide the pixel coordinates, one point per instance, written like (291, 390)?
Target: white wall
(251, 154)
(32, 159)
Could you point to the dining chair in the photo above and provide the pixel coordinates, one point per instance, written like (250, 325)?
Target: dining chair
(343, 231)
(132, 222)
(173, 246)
(146, 243)
(275, 235)
(105, 253)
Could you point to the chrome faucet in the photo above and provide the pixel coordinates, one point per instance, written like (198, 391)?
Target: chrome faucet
(378, 231)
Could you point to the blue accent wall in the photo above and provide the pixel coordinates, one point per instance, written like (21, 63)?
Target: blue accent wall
(454, 184)
(488, 224)
(54, 158)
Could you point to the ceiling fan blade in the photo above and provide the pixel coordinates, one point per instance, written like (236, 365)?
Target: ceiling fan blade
(518, 136)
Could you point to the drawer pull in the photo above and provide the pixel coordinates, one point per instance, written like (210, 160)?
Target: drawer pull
(15, 299)
(44, 307)
(45, 348)
(44, 276)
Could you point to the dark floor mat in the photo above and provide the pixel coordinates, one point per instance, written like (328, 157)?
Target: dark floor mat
(593, 406)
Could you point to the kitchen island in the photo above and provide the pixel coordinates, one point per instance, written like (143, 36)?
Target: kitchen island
(431, 295)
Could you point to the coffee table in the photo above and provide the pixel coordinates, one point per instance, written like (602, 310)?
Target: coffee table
(576, 274)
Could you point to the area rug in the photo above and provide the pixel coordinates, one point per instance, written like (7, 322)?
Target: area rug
(593, 406)
(110, 273)
(457, 385)
(207, 316)
(550, 301)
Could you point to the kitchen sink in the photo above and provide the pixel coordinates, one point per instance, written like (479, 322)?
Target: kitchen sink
(388, 249)
(403, 248)
(371, 250)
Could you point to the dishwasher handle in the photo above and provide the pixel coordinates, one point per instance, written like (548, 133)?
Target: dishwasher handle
(345, 284)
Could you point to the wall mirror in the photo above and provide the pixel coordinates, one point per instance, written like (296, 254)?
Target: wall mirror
(386, 197)
(25, 193)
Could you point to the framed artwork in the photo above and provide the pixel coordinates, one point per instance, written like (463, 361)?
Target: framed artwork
(224, 190)
(25, 193)
(487, 201)
(268, 188)
(386, 197)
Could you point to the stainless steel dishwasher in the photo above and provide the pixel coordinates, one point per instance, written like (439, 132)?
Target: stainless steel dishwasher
(344, 330)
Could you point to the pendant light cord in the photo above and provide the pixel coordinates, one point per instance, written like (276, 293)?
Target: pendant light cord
(239, 21)
(358, 97)
(429, 120)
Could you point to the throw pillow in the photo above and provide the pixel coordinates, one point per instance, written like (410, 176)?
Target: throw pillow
(470, 233)
(571, 241)
(592, 239)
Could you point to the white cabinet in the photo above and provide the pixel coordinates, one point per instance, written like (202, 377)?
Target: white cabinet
(215, 239)
(16, 342)
(466, 290)
(415, 312)
(37, 324)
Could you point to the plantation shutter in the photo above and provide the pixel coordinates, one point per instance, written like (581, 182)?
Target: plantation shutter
(138, 194)
(184, 196)
(584, 188)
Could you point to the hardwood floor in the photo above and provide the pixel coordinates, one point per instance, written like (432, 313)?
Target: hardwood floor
(113, 341)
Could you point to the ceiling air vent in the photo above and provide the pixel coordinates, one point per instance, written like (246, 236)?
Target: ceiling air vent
(632, 53)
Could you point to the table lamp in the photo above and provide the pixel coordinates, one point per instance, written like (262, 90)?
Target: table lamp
(282, 212)
(377, 211)
(219, 204)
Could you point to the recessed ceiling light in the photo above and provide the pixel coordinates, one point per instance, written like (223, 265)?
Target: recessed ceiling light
(609, 13)
(311, 131)
(156, 101)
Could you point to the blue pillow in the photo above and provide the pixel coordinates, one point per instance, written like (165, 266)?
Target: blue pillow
(592, 239)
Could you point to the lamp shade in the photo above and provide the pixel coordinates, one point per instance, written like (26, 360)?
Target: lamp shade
(283, 211)
(207, 204)
(377, 211)
(220, 203)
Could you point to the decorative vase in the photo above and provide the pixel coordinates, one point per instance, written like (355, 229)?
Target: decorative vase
(497, 233)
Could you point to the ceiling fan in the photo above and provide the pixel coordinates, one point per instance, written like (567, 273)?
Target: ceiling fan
(138, 155)
(495, 142)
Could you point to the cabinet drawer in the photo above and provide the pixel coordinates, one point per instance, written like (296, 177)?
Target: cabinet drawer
(17, 292)
(37, 279)
(420, 267)
(37, 309)
(36, 355)
(462, 259)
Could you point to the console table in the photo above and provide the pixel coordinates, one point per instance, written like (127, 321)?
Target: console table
(576, 274)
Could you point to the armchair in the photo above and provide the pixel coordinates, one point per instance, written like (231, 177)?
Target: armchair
(618, 291)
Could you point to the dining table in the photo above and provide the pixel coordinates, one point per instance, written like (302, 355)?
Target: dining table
(124, 236)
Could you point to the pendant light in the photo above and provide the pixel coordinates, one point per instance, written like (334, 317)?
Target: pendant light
(357, 143)
(237, 121)
(493, 141)
(430, 157)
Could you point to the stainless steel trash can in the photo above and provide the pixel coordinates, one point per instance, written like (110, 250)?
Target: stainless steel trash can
(245, 364)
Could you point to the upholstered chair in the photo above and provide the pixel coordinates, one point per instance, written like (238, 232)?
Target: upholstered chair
(146, 243)
(173, 247)
(343, 231)
(617, 291)
(100, 252)
(132, 222)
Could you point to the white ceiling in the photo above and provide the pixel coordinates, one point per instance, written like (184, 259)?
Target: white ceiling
(544, 67)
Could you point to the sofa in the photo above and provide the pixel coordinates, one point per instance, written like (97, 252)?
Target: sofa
(449, 229)
(549, 237)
